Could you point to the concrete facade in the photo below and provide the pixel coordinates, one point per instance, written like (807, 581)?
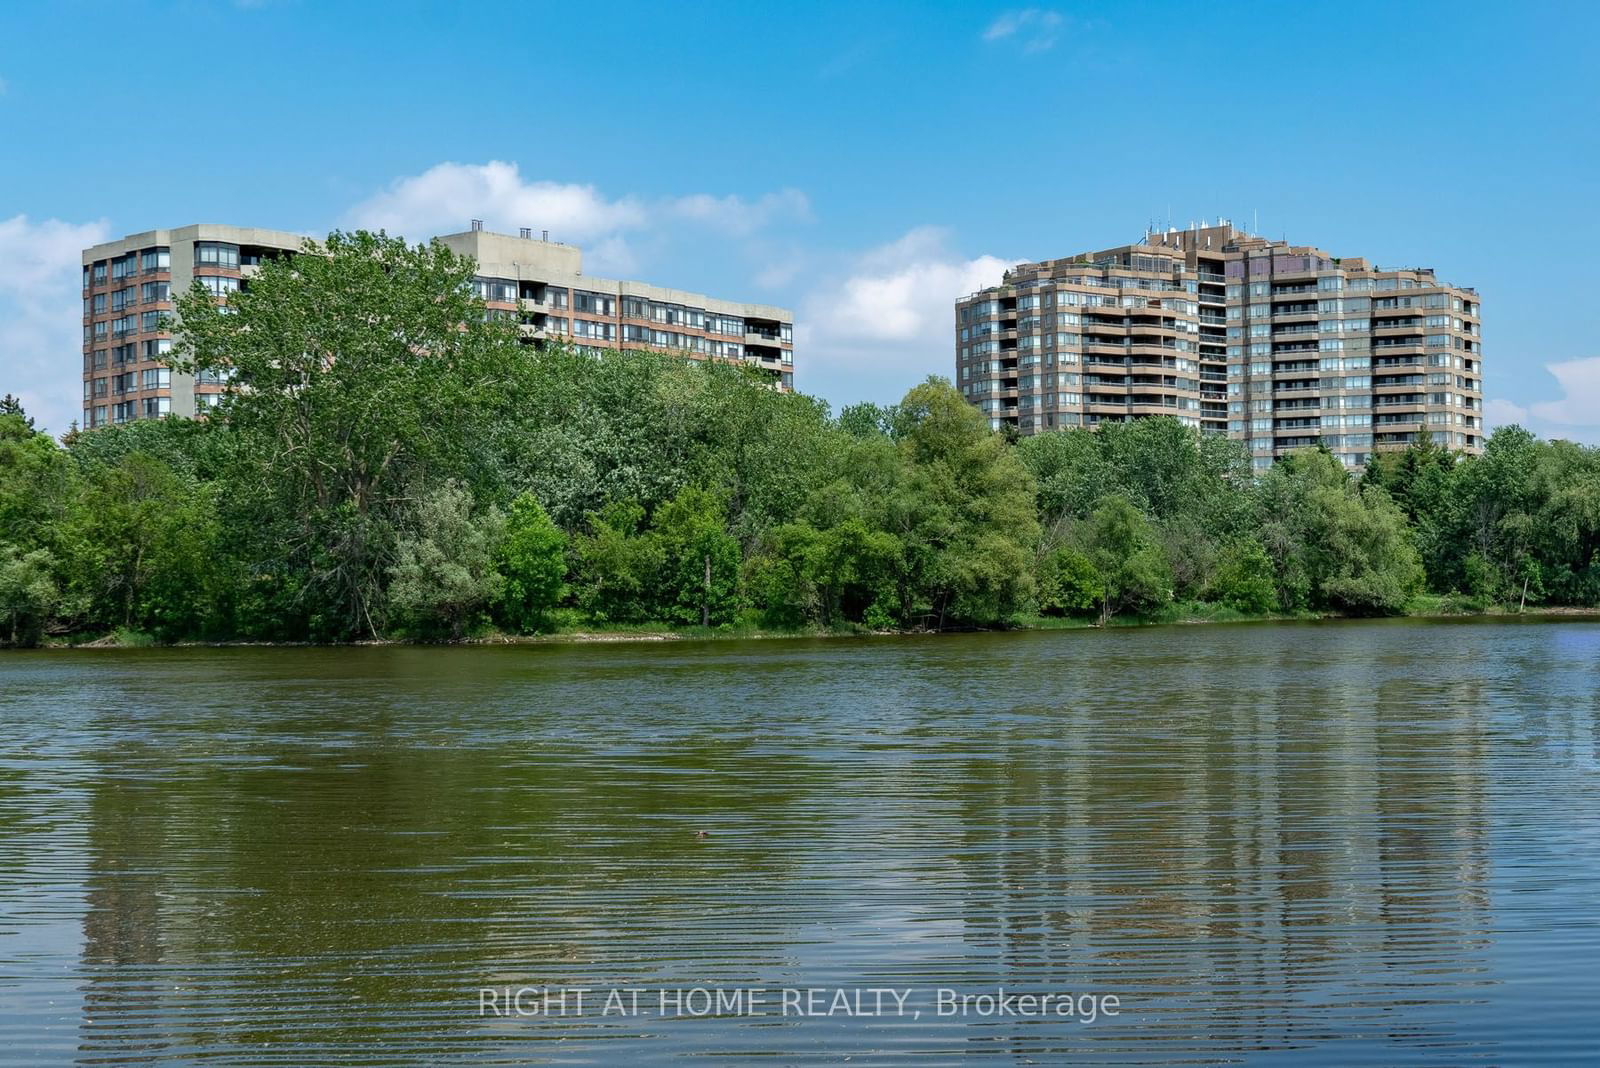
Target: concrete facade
(1281, 346)
(541, 284)
(128, 286)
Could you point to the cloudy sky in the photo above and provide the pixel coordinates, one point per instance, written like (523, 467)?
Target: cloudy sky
(863, 164)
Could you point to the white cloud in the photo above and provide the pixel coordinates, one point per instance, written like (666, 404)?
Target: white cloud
(444, 198)
(743, 217)
(41, 302)
(886, 321)
(1503, 413)
(1580, 387)
(1035, 28)
(1574, 416)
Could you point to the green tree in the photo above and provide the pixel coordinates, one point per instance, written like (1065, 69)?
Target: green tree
(358, 368)
(1068, 583)
(1333, 544)
(1496, 512)
(444, 573)
(702, 560)
(1566, 488)
(37, 483)
(143, 542)
(1422, 480)
(1243, 580)
(533, 560)
(10, 405)
(28, 595)
(844, 573)
(1121, 544)
(964, 514)
(619, 565)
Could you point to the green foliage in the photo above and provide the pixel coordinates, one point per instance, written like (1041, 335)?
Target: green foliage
(28, 595)
(142, 546)
(362, 368)
(391, 460)
(1120, 542)
(700, 573)
(1191, 487)
(619, 564)
(1333, 544)
(444, 574)
(1068, 583)
(965, 514)
(1243, 579)
(35, 483)
(12, 406)
(533, 561)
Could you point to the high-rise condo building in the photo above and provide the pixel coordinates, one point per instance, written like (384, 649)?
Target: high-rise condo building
(1282, 346)
(128, 288)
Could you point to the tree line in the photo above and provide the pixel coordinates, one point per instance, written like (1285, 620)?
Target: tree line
(391, 462)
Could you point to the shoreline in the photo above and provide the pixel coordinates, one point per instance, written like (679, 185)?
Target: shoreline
(689, 634)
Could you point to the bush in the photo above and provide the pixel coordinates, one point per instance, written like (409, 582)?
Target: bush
(533, 562)
(444, 576)
(1243, 580)
(28, 595)
(1068, 583)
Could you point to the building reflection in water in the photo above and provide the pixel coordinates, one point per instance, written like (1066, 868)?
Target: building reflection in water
(1263, 848)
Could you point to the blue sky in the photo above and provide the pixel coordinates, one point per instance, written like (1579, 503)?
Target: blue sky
(861, 163)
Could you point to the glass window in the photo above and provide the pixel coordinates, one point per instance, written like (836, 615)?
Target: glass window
(215, 254)
(600, 331)
(218, 285)
(593, 303)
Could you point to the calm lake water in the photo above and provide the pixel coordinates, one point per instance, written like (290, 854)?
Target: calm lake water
(1332, 843)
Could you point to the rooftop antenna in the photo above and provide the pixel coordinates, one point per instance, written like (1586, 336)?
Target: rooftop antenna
(1255, 221)
(477, 224)
(525, 232)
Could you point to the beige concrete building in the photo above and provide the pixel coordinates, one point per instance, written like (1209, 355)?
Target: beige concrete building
(1281, 346)
(541, 283)
(128, 286)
